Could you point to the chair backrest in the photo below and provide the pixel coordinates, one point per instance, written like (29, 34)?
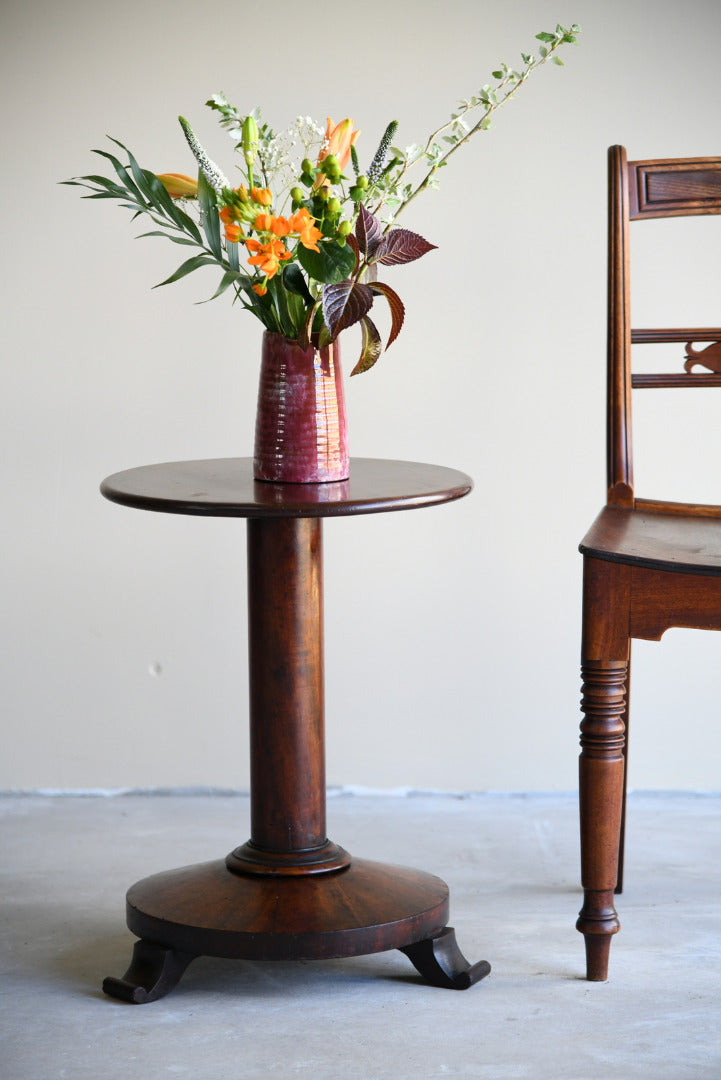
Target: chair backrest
(638, 190)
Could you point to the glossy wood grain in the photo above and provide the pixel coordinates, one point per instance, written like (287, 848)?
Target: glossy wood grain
(368, 907)
(672, 187)
(648, 564)
(224, 487)
(287, 709)
(288, 892)
(687, 543)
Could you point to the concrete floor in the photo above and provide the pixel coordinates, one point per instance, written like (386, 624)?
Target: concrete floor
(511, 863)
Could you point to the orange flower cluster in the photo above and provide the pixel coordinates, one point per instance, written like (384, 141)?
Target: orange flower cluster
(267, 257)
(269, 251)
(243, 209)
(303, 224)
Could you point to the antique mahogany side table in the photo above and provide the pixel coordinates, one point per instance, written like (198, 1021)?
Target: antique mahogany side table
(288, 892)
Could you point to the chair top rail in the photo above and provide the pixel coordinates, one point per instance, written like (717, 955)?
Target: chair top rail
(668, 187)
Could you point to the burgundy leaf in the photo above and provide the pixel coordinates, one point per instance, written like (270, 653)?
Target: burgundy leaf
(371, 348)
(353, 245)
(397, 310)
(369, 231)
(401, 246)
(345, 304)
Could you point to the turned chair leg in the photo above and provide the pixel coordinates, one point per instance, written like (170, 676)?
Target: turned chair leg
(601, 774)
(622, 839)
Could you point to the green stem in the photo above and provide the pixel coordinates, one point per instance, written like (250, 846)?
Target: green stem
(480, 125)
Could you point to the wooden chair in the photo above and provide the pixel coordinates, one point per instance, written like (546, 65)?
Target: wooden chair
(648, 565)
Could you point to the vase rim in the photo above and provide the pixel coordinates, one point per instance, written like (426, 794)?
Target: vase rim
(335, 343)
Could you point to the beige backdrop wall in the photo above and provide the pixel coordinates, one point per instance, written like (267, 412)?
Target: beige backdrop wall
(452, 633)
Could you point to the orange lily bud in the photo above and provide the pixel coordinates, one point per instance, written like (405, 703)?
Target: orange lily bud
(179, 186)
(233, 233)
(262, 196)
(339, 140)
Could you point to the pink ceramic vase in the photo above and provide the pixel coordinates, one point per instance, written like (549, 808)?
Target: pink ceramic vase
(301, 434)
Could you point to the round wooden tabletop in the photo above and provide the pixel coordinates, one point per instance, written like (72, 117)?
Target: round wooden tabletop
(224, 487)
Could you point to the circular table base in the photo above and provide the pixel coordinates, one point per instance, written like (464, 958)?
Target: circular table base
(367, 907)
(209, 911)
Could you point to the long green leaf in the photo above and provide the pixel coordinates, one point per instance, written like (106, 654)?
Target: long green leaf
(280, 302)
(154, 191)
(168, 236)
(297, 310)
(187, 268)
(232, 253)
(187, 223)
(209, 216)
(141, 179)
(226, 281)
(122, 173)
(101, 181)
(108, 195)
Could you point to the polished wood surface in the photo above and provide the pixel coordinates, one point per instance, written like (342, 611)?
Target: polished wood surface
(288, 891)
(369, 907)
(682, 542)
(287, 719)
(672, 187)
(648, 564)
(224, 487)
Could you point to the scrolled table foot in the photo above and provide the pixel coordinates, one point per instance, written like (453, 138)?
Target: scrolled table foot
(154, 971)
(440, 961)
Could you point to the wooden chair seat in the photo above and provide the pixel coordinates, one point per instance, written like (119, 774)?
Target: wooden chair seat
(660, 541)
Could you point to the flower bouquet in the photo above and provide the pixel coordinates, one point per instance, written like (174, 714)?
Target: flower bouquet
(300, 239)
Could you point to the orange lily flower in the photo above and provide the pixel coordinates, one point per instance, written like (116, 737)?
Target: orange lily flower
(267, 257)
(303, 224)
(279, 226)
(339, 139)
(179, 186)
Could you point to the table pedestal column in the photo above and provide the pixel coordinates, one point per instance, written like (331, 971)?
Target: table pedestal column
(287, 719)
(288, 892)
